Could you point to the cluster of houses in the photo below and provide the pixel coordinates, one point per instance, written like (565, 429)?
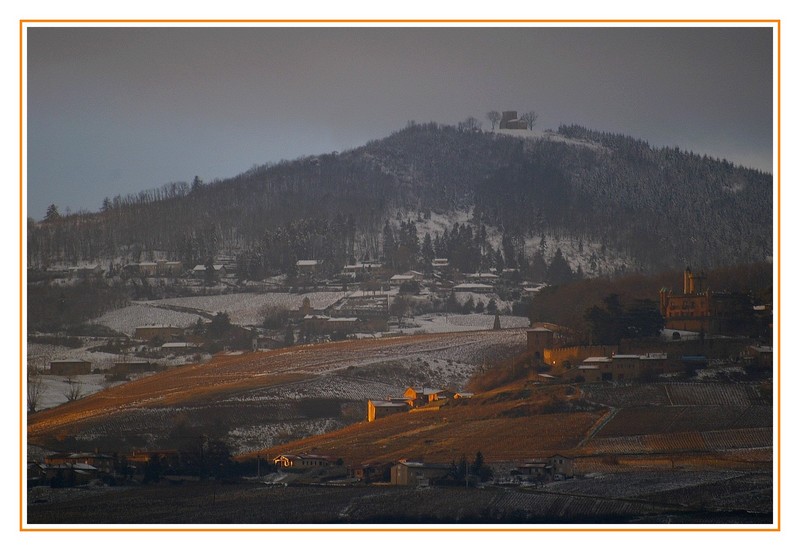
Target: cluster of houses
(81, 468)
(418, 473)
(413, 398)
(601, 363)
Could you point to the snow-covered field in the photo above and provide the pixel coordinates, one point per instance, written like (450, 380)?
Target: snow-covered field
(249, 308)
(441, 323)
(55, 388)
(126, 320)
(243, 309)
(338, 380)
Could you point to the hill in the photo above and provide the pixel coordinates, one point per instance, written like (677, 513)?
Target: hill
(607, 196)
(254, 400)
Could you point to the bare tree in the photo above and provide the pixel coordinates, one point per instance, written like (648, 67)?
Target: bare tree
(74, 390)
(530, 118)
(35, 387)
(470, 124)
(494, 117)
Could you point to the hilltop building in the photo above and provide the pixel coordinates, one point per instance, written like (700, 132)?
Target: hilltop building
(511, 121)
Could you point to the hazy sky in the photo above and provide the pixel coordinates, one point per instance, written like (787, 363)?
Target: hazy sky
(112, 111)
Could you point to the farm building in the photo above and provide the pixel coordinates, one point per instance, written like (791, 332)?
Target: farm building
(319, 324)
(70, 367)
(128, 367)
(422, 395)
(381, 408)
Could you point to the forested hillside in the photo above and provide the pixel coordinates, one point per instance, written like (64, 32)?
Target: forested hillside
(663, 207)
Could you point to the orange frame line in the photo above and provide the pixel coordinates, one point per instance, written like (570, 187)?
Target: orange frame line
(23, 22)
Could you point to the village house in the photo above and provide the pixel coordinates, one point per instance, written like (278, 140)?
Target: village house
(760, 356)
(416, 473)
(482, 277)
(308, 267)
(164, 333)
(371, 472)
(361, 268)
(552, 468)
(305, 309)
(63, 475)
(407, 277)
(172, 268)
(302, 462)
(618, 367)
(481, 288)
(85, 272)
(371, 311)
(148, 269)
(98, 461)
(70, 367)
(199, 271)
(177, 347)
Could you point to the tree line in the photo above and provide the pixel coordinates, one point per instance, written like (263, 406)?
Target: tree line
(661, 206)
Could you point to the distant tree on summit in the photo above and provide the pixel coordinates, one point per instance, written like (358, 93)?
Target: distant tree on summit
(530, 119)
(494, 117)
(470, 124)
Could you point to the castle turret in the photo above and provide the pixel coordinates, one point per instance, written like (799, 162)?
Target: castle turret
(687, 281)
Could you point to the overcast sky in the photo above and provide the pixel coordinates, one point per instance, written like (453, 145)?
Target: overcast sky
(112, 111)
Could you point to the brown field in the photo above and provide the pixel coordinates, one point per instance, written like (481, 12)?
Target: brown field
(505, 425)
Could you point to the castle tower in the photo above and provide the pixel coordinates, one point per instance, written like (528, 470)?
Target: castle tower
(539, 338)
